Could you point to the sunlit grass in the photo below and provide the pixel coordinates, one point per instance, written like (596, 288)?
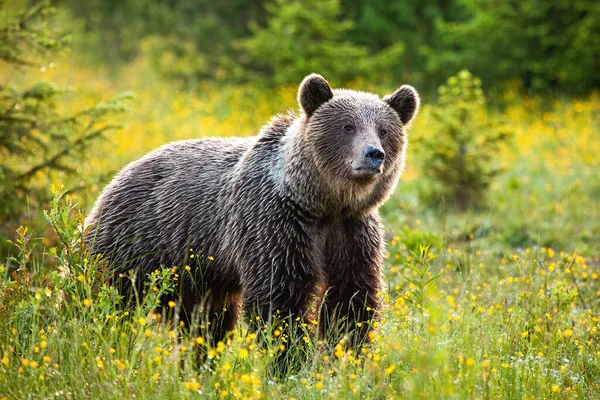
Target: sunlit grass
(525, 323)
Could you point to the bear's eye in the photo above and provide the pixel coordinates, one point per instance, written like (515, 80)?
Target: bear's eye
(382, 132)
(348, 128)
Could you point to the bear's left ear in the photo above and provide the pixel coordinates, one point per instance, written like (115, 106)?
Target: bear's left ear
(405, 101)
(313, 92)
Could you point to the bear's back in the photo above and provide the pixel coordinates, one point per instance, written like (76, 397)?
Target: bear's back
(168, 201)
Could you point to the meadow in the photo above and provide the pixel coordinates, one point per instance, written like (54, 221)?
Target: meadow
(498, 302)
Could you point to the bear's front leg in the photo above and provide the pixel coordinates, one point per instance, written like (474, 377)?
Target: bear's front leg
(354, 262)
(279, 284)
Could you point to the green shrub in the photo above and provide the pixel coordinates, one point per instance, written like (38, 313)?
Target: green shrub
(459, 156)
(301, 39)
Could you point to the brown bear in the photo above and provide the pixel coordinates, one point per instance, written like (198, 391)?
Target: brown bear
(283, 223)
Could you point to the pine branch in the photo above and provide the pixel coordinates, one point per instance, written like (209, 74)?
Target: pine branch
(53, 162)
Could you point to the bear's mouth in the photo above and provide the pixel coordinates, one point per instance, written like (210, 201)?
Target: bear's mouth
(365, 170)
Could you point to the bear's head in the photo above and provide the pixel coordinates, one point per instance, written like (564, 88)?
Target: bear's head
(357, 140)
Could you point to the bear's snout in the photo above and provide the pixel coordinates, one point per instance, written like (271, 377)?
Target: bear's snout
(374, 156)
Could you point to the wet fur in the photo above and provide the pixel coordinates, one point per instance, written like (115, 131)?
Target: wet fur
(286, 228)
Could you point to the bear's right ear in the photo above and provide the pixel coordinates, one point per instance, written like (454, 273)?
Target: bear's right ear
(313, 92)
(405, 101)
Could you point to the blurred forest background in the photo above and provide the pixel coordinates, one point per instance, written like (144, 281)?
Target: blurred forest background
(493, 262)
(70, 71)
(547, 46)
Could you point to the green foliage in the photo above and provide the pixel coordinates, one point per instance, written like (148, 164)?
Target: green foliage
(302, 37)
(36, 140)
(460, 154)
(422, 281)
(409, 24)
(415, 240)
(27, 33)
(546, 44)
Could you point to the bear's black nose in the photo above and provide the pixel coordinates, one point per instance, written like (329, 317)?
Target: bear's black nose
(374, 156)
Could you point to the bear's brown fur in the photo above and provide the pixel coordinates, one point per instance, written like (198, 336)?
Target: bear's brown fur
(281, 222)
